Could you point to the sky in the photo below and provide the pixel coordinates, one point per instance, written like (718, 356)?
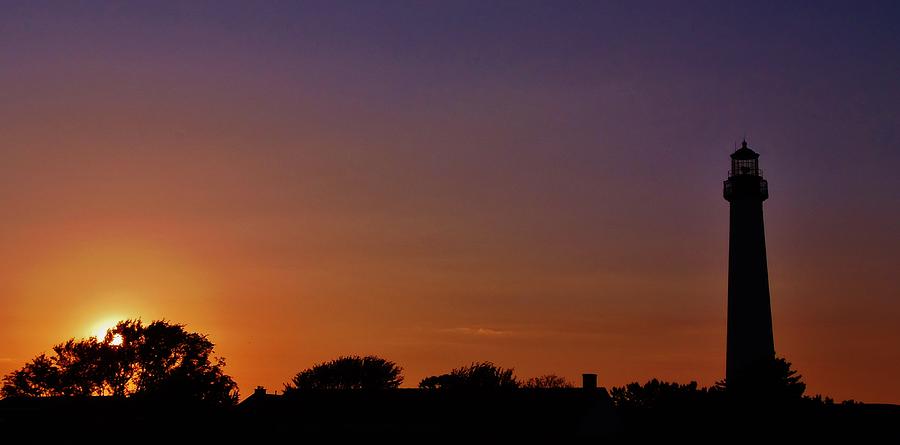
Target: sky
(537, 184)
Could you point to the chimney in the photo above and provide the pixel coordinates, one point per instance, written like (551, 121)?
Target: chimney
(589, 381)
(259, 391)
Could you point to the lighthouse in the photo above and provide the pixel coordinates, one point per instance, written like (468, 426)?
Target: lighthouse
(750, 338)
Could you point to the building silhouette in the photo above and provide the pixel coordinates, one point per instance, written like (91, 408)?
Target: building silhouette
(750, 338)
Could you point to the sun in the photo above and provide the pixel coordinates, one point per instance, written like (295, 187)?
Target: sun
(116, 340)
(100, 329)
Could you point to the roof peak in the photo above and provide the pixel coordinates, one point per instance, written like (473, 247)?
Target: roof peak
(744, 152)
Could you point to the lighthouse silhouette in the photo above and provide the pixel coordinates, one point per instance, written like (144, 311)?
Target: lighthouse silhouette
(750, 339)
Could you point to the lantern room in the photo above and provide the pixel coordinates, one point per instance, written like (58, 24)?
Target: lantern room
(744, 162)
(745, 179)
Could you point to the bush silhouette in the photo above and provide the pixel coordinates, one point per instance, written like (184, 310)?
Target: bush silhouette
(352, 372)
(547, 381)
(477, 376)
(155, 360)
(656, 394)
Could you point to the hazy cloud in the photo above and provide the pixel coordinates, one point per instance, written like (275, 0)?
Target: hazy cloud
(477, 331)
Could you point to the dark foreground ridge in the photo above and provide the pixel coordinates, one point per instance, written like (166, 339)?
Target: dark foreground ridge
(570, 414)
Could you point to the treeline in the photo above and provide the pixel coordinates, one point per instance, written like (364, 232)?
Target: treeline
(376, 373)
(163, 360)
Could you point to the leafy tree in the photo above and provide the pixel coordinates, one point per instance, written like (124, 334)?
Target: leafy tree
(477, 376)
(766, 380)
(352, 372)
(38, 377)
(547, 381)
(155, 360)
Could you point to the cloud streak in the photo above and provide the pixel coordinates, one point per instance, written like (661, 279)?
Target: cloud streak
(477, 331)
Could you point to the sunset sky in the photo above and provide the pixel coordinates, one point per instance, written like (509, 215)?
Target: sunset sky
(538, 184)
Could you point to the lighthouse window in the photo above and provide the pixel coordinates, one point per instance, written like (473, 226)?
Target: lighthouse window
(744, 167)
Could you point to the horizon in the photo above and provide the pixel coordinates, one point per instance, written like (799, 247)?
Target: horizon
(536, 184)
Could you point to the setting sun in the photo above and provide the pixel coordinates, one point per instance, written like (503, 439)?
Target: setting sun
(116, 340)
(101, 328)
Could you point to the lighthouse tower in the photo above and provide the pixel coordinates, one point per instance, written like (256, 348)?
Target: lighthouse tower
(749, 311)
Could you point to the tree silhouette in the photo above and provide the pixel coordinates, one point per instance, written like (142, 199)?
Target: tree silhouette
(39, 377)
(547, 381)
(155, 360)
(476, 377)
(765, 380)
(351, 372)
